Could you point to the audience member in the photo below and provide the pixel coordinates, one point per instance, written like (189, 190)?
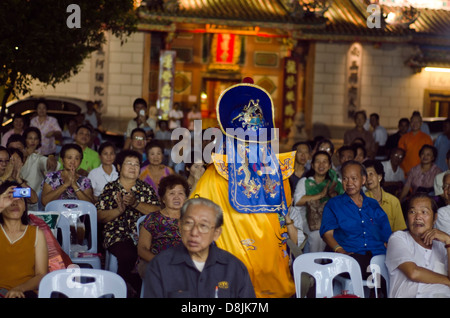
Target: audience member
(417, 259)
(194, 169)
(394, 177)
(442, 144)
(311, 194)
(412, 142)
(389, 203)
(175, 116)
(67, 183)
(353, 223)
(119, 206)
(23, 248)
(380, 136)
(438, 180)
(18, 125)
(198, 268)
(138, 142)
(107, 172)
(160, 230)
(345, 153)
(49, 127)
(361, 152)
(140, 121)
(91, 159)
(192, 115)
(302, 156)
(92, 116)
(359, 132)
(421, 177)
(155, 170)
(36, 166)
(443, 213)
(69, 130)
(13, 172)
(392, 141)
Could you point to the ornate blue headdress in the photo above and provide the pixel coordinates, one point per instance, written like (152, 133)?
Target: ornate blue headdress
(246, 116)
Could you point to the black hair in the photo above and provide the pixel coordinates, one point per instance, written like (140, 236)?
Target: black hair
(16, 138)
(35, 130)
(323, 141)
(377, 165)
(154, 143)
(104, 145)
(311, 172)
(88, 127)
(170, 181)
(433, 149)
(67, 147)
(421, 195)
(345, 148)
(139, 101)
(3, 187)
(120, 158)
(306, 143)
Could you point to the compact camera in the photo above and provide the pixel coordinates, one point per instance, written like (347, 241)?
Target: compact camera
(22, 193)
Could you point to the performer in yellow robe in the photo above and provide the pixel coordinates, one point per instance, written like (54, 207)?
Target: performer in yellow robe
(256, 234)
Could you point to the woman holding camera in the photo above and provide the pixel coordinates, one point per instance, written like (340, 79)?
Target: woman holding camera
(67, 184)
(23, 247)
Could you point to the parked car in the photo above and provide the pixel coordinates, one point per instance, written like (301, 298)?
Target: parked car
(60, 107)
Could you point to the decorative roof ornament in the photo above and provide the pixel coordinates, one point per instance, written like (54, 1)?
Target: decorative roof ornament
(402, 16)
(306, 8)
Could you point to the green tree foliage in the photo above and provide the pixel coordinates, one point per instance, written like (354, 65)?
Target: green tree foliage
(37, 44)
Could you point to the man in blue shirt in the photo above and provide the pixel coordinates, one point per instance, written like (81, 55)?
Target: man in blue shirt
(353, 223)
(198, 268)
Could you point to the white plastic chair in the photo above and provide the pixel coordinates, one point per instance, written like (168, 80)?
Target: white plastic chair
(379, 269)
(79, 208)
(78, 282)
(324, 273)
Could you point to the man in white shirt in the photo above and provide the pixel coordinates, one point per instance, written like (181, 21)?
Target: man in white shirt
(379, 135)
(175, 116)
(394, 176)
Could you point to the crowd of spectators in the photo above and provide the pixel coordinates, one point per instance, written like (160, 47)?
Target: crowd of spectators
(372, 172)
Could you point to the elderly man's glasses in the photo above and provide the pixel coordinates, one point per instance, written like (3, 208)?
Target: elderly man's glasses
(4, 162)
(203, 228)
(446, 186)
(138, 138)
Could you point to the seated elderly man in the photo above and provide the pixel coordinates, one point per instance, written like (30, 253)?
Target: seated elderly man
(198, 268)
(353, 223)
(443, 213)
(417, 260)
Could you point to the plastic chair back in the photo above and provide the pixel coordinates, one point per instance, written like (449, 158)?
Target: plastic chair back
(323, 273)
(82, 283)
(379, 269)
(79, 208)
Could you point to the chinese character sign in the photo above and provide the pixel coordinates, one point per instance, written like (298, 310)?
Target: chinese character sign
(290, 92)
(352, 94)
(99, 75)
(166, 83)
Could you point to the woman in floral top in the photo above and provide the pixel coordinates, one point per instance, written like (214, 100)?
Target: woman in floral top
(119, 206)
(67, 184)
(160, 230)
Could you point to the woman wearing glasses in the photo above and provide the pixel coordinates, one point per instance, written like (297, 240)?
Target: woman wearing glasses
(155, 170)
(160, 230)
(119, 206)
(67, 184)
